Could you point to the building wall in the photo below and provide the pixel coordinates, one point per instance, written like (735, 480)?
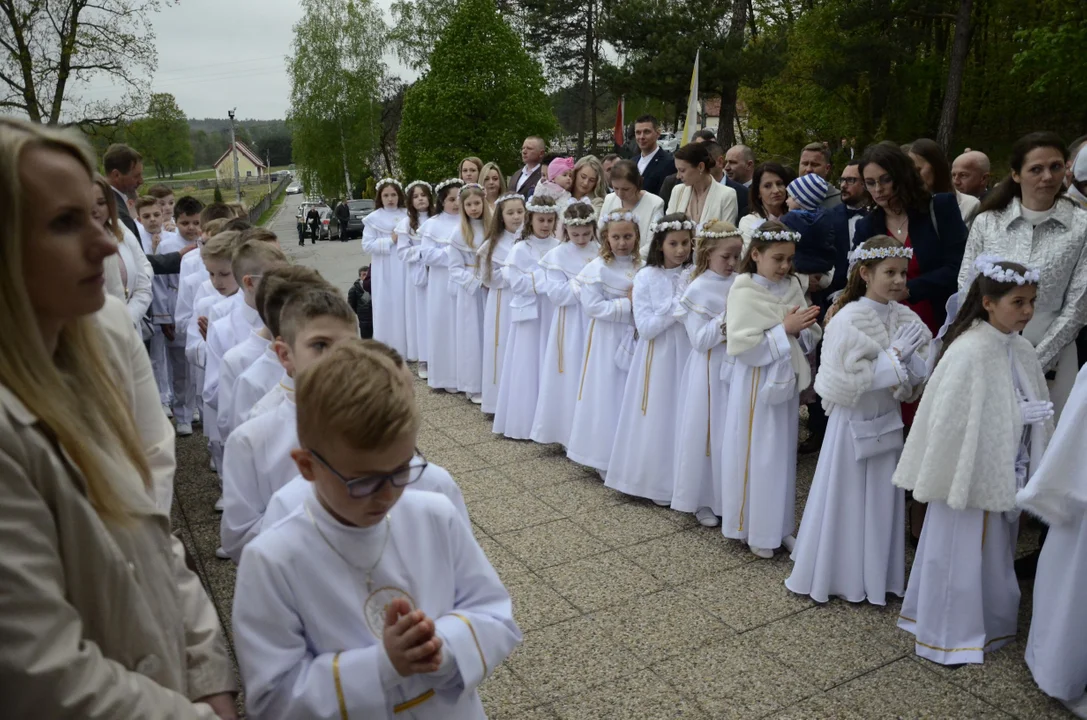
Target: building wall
(225, 170)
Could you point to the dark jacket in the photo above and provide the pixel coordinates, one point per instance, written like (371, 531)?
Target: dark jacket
(938, 249)
(661, 166)
(839, 217)
(815, 251)
(343, 213)
(361, 302)
(168, 264)
(529, 187)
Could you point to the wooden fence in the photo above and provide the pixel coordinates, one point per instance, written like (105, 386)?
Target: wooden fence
(266, 202)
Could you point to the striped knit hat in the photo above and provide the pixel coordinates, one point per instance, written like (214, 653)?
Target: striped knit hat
(809, 190)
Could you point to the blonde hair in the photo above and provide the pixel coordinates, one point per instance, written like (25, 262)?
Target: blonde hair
(356, 394)
(221, 245)
(213, 227)
(605, 244)
(259, 233)
(501, 178)
(704, 246)
(253, 257)
(74, 392)
(113, 222)
(310, 304)
(590, 161)
(466, 231)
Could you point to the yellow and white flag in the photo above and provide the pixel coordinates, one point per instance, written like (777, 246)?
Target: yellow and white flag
(690, 125)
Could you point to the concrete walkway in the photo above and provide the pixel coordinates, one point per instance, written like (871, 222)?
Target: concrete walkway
(635, 612)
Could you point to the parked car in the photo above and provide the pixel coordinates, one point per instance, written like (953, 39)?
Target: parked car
(303, 210)
(326, 217)
(668, 141)
(359, 209)
(294, 188)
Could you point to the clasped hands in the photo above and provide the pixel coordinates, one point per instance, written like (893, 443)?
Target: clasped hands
(907, 339)
(1035, 411)
(410, 640)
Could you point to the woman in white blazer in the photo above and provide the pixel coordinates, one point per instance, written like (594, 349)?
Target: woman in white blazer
(700, 196)
(128, 272)
(628, 196)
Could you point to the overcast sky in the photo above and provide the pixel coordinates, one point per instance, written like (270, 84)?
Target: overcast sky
(218, 54)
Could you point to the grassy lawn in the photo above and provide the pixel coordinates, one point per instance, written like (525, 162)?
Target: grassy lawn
(267, 214)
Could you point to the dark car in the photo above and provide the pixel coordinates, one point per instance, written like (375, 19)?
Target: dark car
(358, 209)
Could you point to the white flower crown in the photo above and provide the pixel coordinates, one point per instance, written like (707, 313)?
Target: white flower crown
(542, 209)
(388, 181)
(619, 216)
(446, 183)
(879, 254)
(469, 186)
(508, 196)
(988, 265)
(574, 222)
(775, 236)
(671, 225)
(702, 232)
(417, 183)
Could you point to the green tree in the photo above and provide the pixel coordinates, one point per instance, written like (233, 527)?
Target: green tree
(482, 104)
(162, 136)
(336, 73)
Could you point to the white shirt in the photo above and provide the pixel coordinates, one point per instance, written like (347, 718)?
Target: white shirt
(290, 497)
(256, 382)
(236, 361)
(526, 171)
(280, 393)
(256, 462)
(233, 326)
(298, 624)
(643, 160)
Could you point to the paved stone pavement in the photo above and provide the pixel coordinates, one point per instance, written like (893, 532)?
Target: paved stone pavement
(635, 612)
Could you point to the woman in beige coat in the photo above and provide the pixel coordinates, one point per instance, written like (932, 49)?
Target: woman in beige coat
(99, 617)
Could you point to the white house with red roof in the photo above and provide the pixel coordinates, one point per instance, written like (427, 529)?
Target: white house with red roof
(249, 164)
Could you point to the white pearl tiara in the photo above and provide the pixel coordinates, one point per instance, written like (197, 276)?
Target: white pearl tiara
(702, 232)
(541, 209)
(880, 253)
(775, 236)
(671, 225)
(988, 265)
(508, 196)
(619, 216)
(418, 183)
(388, 181)
(469, 186)
(446, 183)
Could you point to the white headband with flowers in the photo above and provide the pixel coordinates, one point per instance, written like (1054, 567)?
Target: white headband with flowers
(541, 209)
(671, 225)
(775, 236)
(469, 186)
(418, 183)
(509, 196)
(446, 183)
(988, 265)
(388, 181)
(619, 216)
(702, 232)
(879, 254)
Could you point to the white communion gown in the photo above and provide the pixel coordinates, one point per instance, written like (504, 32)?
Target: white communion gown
(530, 321)
(703, 395)
(408, 250)
(496, 317)
(387, 273)
(609, 352)
(642, 455)
(565, 342)
(466, 286)
(851, 541)
(441, 344)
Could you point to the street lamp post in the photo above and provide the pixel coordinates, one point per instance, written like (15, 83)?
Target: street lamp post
(234, 148)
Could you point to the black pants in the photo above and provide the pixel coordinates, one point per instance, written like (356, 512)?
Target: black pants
(301, 234)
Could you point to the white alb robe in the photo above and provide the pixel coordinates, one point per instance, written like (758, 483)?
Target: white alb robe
(530, 321)
(236, 320)
(256, 382)
(559, 374)
(1057, 645)
(643, 456)
(702, 395)
(469, 296)
(236, 361)
(496, 316)
(256, 462)
(434, 478)
(608, 353)
(441, 312)
(308, 627)
(415, 285)
(851, 541)
(758, 462)
(280, 393)
(648, 210)
(388, 275)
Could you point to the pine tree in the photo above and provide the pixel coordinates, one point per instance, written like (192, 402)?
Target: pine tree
(218, 194)
(482, 95)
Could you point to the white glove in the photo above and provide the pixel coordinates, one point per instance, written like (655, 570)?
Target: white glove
(907, 339)
(1035, 411)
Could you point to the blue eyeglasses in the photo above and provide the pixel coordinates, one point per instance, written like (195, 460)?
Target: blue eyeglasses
(367, 485)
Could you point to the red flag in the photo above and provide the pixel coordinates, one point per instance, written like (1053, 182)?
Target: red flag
(619, 134)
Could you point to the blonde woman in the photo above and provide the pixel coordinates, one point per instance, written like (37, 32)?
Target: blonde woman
(99, 617)
(128, 272)
(589, 183)
(493, 182)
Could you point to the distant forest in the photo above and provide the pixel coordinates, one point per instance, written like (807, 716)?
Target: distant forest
(210, 138)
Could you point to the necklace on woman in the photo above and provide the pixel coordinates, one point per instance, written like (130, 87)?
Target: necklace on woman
(901, 226)
(696, 203)
(370, 572)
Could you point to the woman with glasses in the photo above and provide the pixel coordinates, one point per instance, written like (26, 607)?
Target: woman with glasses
(930, 224)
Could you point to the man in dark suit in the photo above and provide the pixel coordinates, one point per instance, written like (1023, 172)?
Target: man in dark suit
(654, 162)
(854, 206)
(124, 172)
(524, 181)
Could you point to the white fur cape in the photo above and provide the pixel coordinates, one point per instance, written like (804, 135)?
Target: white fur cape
(752, 310)
(855, 338)
(965, 437)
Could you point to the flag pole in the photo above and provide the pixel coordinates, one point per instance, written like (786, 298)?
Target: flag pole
(691, 122)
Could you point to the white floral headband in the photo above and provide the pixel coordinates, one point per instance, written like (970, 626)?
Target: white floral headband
(702, 232)
(882, 253)
(418, 183)
(575, 222)
(446, 183)
(541, 209)
(988, 265)
(388, 181)
(509, 196)
(671, 225)
(775, 236)
(619, 216)
(470, 186)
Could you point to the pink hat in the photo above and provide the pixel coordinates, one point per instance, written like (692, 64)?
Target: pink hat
(558, 166)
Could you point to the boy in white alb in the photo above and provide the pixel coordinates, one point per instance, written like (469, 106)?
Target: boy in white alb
(435, 621)
(257, 459)
(432, 479)
(187, 211)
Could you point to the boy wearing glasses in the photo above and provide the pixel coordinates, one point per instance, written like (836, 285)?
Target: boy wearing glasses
(366, 601)
(431, 477)
(257, 459)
